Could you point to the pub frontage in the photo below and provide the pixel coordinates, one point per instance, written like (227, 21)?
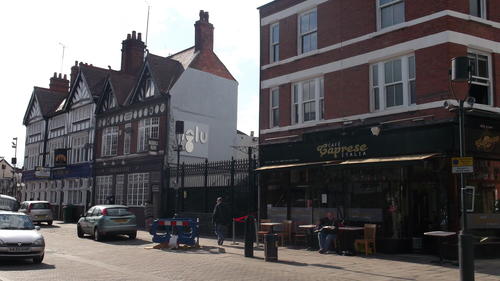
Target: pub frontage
(398, 176)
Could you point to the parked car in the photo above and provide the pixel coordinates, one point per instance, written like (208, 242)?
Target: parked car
(8, 203)
(38, 211)
(19, 239)
(103, 220)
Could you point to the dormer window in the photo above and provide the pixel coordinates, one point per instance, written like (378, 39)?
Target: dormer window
(149, 88)
(110, 101)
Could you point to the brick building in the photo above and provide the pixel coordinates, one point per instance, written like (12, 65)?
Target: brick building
(352, 117)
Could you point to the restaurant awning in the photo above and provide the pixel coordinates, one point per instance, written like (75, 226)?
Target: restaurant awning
(351, 162)
(402, 158)
(296, 165)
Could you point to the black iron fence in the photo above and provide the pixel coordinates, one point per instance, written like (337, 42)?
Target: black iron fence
(201, 183)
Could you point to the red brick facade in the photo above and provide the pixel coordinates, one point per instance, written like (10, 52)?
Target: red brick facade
(347, 88)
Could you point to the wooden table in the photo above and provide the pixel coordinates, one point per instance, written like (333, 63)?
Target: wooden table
(345, 241)
(440, 235)
(271, 225)
(310, 232)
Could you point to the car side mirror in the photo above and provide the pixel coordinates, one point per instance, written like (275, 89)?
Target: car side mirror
(37, 228)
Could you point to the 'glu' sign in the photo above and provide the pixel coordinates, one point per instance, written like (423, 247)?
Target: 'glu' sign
(195, 139)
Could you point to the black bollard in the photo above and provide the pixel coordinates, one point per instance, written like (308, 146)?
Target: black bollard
(249, 236)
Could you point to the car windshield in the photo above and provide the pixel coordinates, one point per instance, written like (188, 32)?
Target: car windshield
(8, 204)
(11, 221)
(118, 212)
(40, 206)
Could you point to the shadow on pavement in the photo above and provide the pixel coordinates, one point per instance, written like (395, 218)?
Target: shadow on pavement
(121, 240)
(44, 226)
(27, 264)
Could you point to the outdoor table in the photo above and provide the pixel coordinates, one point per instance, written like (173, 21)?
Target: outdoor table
(310, 232)
(346, 239)
(440, 235)
(271, 225)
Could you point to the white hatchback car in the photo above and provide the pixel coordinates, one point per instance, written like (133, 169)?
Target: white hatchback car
(19, 238)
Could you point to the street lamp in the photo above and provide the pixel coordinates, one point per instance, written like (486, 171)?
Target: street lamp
(14, 145)
(461, 72)
(179, 132)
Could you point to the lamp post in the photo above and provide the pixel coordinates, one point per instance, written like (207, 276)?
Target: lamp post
(461, 71)
(179, 132)
(14, 145)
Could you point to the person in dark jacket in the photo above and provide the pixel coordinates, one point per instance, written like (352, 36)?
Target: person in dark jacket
(219, 219)
(327, 232)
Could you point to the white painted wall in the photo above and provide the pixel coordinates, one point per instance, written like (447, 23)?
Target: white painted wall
(210, 100)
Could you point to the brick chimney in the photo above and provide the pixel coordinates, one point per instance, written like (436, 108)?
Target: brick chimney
(132, 53)
(59, 83)
(203, 33)
(74, 73)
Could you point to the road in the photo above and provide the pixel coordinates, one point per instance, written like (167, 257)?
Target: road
(70, 258)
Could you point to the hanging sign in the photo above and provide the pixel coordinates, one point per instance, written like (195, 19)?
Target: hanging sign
(462, 165)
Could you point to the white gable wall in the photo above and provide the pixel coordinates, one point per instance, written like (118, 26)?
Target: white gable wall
(210, 103)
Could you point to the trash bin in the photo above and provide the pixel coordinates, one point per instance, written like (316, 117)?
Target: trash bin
(68, 213)
(270, 248)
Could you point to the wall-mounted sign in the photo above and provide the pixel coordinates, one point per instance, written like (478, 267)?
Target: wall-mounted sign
(60, 157)
(42, 172)
(195, 139)
(462, 165)
(153, 145)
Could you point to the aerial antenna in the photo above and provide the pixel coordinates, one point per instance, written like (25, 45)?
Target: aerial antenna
(147, 21)
(62, 57)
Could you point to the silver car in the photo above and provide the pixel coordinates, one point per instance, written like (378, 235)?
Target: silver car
(39, 211)
(19, 239)
(103, 220)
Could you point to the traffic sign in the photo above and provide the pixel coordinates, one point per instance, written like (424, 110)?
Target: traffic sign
(462, 165)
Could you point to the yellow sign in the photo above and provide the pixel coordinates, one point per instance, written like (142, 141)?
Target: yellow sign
(462, 165)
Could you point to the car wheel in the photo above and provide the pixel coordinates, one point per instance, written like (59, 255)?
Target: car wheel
(49, 222)
(79, 231)
(97, 235)
(38, 260)
(132, 235)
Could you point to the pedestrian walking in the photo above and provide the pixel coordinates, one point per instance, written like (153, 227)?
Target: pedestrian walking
(219, 219)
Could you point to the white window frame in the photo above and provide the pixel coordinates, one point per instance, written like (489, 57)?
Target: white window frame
(103, 188)
(137, 189)
(297, 100)
(405, 81)
(149, 128)
(379, 12)
(109, 141)
(119, 192)
(274, 108)
(80, 117)
(490, 74)
(300, 34)
(79, 152)
(127, 139)
(274, 57)
(483, 12)
(148, 88)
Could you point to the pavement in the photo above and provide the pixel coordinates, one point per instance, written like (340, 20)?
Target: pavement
(71, 258)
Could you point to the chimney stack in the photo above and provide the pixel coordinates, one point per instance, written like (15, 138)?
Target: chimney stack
(59, 83)
(74, 73)
(132, 53)
(203, 33)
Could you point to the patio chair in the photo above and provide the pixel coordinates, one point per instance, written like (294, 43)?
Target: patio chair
(286, 234)
(299, 234)
(368, 243)
(263, 230)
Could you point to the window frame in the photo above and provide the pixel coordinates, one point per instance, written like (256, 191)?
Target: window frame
(483, 9)
(490, 74)
(382, 85)
(112, 133)
(309, 32)
(379, 12)
(272, 122)
(145, 132)
(272, 54)
(297, 100)
(138, 185)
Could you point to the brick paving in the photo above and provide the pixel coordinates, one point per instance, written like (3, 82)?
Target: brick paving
(70, 258)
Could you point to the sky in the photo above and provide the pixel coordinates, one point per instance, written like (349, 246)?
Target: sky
(33, 34)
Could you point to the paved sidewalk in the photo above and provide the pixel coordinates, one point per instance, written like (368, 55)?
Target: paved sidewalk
(373, 267)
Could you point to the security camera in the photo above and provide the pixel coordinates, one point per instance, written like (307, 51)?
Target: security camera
(446, 105)
(470, 101)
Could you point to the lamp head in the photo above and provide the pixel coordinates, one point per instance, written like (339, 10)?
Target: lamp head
(375, 130)
(470, 101)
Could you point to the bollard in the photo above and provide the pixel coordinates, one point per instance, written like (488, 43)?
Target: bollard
(256, 234)
(234, 234)
(249, 238)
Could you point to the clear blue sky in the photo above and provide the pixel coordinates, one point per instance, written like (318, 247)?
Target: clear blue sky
(92, 31)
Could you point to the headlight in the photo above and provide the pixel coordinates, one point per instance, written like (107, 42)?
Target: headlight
(39, 242)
